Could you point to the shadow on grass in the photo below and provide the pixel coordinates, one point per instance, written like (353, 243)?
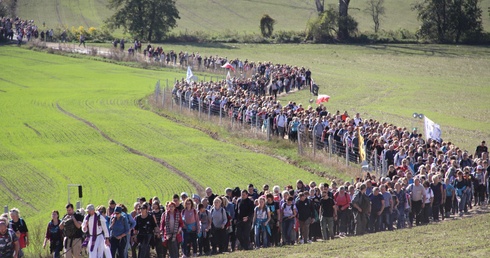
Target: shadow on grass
(429, 50)
(281, 4)
(203, 45)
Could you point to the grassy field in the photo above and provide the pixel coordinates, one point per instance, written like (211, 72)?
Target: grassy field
(466, 236)
(217, 16)
(68, 120)
(448, 84)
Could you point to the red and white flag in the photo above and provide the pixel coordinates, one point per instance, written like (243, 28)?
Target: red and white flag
(322, 98)
(228, 66)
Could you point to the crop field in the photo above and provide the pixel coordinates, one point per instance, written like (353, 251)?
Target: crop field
(448, 84)
(68, 120)
(217, 16)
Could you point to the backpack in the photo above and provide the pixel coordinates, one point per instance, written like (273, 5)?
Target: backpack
(227, 216)
(70, 230)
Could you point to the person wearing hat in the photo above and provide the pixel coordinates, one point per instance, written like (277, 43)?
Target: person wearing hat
(119, 227)
(95, 226)
(9, 242)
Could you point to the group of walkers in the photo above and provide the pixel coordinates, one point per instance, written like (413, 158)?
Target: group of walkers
(193, 225)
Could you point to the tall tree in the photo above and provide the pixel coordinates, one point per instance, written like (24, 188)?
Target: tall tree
(343, 32)
(325, 27)
(144, 19)
(320, 6)
(376, 9)
(450, 20)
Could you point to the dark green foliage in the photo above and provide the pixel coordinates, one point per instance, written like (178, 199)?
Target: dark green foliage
(149, 20)
(328, 25)
(7, 8)
(267, 25)
(450, 20)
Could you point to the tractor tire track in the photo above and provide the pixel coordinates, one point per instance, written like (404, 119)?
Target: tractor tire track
(58, 12)
(81, 14)
(15, 195)
(199, 188)
(32, 128)
(14, 83)
(229, 9)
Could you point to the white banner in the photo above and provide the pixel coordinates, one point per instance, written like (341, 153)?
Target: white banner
(432, 130)
(190, 76)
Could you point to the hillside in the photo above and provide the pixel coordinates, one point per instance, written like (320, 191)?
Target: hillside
(218, 16)
(78, 121)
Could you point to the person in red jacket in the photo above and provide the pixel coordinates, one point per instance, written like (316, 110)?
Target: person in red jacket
(171, 226)
(342, 200)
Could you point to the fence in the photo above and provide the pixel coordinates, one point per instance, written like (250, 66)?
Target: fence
(245, 123)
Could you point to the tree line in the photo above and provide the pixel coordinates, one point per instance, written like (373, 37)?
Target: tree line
(441, 21)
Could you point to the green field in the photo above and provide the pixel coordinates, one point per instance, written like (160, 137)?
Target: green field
(218, 16)
(69, 120)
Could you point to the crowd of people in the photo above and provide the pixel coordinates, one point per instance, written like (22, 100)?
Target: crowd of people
(25, 29)
(442, 187)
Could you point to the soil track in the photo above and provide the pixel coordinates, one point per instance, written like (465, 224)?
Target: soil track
(15, 195)
(195, 184)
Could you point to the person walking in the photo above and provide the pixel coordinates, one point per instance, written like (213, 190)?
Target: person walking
(328, 213)
(218, 222)
(19, 226)
(261, 224)
(143, 231)
(171, 226)
(54, 235)
(82, 40)
(71, 225)
(9, 242)
(362, 208)
(244, 214)
(94, 225)
(305, 217)
(119, 227)
(417, 197)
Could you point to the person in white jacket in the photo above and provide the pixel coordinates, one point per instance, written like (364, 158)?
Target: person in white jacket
(96, 228)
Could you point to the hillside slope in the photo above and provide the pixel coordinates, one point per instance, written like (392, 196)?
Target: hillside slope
(217, 16)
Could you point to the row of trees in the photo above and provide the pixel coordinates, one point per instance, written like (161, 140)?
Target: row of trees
(441, 20)
(450, 20)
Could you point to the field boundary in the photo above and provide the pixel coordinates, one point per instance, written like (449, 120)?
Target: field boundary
(195, 184)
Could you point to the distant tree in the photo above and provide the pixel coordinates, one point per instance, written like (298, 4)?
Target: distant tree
(267, 25)
(7, 8)
(347, 24)
(320, 6)
(450, 20)
(326, 26)
(323, 28)
(144, 19)
(376, 9)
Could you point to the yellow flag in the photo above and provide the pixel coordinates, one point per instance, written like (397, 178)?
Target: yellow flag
(362, 154)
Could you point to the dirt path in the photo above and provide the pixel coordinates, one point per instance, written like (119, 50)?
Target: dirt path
(199, 188)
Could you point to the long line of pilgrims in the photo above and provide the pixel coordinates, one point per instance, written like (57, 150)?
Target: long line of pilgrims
(246, 219)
